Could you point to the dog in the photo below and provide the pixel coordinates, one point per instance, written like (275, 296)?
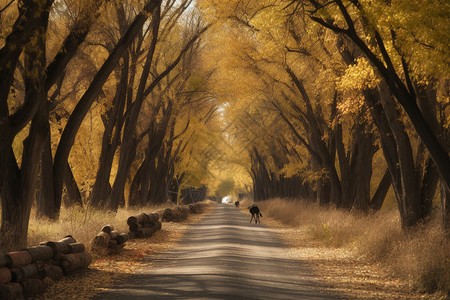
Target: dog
(256, 213)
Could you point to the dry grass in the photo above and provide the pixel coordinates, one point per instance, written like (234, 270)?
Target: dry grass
(83, 224)
(421, 257)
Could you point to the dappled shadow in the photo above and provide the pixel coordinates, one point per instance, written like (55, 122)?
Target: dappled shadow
(223, 257)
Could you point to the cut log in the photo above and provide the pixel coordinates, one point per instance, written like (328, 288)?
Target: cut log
(178, 214)
(122, 238)
(115, 249)
(40, 253)
(145, 232)
(32, 287)
(68, 239)
(75, 261)
(153, 218)
(54, 262)
(5, 275)
(183, 212)
(168, 215)
(60, 246)
(11, 291)
(112, 243)
(100, 242)
(140, 218)
(107, 228)
(20, 274)
(4, 259)
(133, 227)
(53, 272)
(113, 234)
(76, 247)
(19, 258)
(196, 208)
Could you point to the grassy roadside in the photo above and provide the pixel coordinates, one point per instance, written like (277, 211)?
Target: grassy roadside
(380, 257)
(106, 270)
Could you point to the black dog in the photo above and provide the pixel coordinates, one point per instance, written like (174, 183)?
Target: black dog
(256, 213)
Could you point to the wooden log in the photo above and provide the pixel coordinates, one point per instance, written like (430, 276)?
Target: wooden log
(122, 238)
(11, 291)
(133, 227)
(54, 262)
(57, 248)
(153, 218)
(107, 228)
(113, 234)
(68, 239)
(32, 287)
(4, 259)
(182, 212)
(20, 274)
(60, 246)
(140, 218)
(76, 247)
(133, 235)
(100, 242)
(147, 232)
(112, 243)
(116, 248)
(40, 253)
(5, 275)
(53, 272)
(19, 258)
(75, 261)
(168, 215)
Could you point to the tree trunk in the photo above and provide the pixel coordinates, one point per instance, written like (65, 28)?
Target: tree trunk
(410, 194)
(445, 207)
(45, 202)
(73, 196)
(19, 185)
(113, 123)
(380, 193)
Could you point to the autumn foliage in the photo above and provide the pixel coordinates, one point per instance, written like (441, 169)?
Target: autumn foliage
(111, 104)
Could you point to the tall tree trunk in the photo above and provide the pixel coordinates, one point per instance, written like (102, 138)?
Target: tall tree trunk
(19, 185)
(111, 139)
(45, 202)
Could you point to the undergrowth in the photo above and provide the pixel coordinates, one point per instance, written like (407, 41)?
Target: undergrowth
(421, 255)
(83, 224)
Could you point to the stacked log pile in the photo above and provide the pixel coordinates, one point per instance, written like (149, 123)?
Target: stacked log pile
(180, 213)
(108, 241)
(22, 272)
(197, 208)
(143, 225)
(176, 214)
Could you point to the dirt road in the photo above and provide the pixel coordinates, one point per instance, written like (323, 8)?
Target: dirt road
(224, 257)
